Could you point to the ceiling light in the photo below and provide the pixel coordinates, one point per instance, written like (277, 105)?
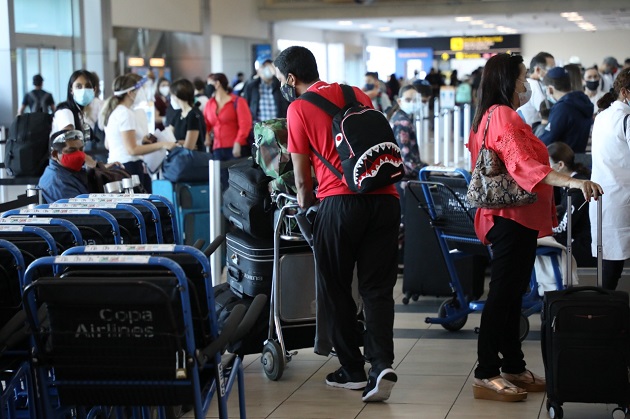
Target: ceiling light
(366, 26)
(575, 18)
(345, 23)
(477, 22)
(488, 25)
(400, 31)
(463, 19)
(569, 14)
(384, 29)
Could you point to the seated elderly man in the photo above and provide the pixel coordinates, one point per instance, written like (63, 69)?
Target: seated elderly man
(65, 176)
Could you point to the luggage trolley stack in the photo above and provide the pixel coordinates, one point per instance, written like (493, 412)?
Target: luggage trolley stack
(292, 307)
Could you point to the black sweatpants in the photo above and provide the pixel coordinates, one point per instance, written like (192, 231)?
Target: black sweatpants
(513, 254)
(611, 272)
(359, 230)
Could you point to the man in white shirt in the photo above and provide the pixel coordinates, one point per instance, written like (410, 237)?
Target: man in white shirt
(538, 67)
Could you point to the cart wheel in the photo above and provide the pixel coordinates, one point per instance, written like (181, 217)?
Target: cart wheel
(405, 299)
(619, 413)
(555, 411)
(273, 360)
(415, 297)
(523, 327)
(455, 324)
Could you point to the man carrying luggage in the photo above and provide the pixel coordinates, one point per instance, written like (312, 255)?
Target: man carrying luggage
(350, 229)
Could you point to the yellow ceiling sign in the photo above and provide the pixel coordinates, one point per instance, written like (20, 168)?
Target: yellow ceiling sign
(457, 44)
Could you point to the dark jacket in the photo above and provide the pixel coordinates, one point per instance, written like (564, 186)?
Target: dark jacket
(570, 121)
(251, 93)
(580, 225)
(57, 182)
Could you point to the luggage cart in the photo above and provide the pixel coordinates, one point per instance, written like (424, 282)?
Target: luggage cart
(453, 221)
(299, 309)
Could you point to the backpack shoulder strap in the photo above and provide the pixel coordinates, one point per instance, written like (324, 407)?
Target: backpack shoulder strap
(328, 164)
(321, 102)
(625, 124)
(348, 94)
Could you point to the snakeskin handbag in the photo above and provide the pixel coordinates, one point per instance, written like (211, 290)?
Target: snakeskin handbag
(491, 186)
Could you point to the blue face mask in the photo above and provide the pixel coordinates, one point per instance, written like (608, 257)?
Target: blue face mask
(288, 92)
(369, 86)
(83, 97)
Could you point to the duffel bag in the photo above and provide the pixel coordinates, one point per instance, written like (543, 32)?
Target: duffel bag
(184, 165)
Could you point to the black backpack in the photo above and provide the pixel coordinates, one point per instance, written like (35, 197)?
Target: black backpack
(26, 152)
(39, 104)
(370, 157)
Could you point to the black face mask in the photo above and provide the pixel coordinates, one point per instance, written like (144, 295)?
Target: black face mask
(592, 84)
(209, 90)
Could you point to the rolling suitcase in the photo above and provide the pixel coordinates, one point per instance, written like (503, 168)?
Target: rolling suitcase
(250, 261)
(586, 341)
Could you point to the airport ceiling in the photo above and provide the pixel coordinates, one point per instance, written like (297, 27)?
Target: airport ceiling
(558, 16)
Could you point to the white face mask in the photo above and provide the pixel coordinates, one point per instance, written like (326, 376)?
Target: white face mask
(165, 90)
(408, 107)
(267, 73)
(524, 97)
(175, 104)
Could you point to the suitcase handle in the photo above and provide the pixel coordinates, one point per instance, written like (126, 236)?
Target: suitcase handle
(587, 288)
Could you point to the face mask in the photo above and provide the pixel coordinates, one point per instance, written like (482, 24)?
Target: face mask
(408, 107)
(369, 86)
(175, 104)
(165, 90)
(73, 161)
(552, 99)
(288, 92)
(210, 90)
(267, 73)
(83, 97)
(592, 84)
(525, 96)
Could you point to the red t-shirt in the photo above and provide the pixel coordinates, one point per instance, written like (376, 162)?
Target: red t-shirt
(527, 160)
(308, 126)
(232, 124)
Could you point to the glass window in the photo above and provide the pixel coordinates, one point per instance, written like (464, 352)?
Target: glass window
(44, 17)
(317, 48)
(382, 60)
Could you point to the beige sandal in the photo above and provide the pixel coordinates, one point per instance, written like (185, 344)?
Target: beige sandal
(498, 389)
(527, 380)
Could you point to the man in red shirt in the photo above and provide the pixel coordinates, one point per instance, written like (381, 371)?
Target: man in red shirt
(350, 229)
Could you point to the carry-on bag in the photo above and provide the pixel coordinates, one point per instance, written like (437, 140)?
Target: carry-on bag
(586, 340)
(247, 201)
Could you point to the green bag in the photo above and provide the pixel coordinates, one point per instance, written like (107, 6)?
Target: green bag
(270, 140)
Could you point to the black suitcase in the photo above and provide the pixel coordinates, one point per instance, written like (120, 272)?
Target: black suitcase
(247, 201)
(27, 150)
(424, 270)
(249, 261)
(586, 342)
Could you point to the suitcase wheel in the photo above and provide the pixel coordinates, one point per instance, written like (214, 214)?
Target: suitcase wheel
(554, 409)
(523, 327)
(619, 412)
(273, 360)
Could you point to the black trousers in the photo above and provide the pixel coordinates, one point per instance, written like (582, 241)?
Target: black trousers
(513, 254)
(611, 272)
(138, 168)
(359, 230)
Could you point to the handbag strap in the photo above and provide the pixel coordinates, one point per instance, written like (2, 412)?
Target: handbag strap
(485, 130)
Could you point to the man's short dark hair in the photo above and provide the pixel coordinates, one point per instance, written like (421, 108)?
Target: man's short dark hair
(539, 60)
(372, 74)
(38, 80)
(298, 61)
(559, 79)
(627, 61)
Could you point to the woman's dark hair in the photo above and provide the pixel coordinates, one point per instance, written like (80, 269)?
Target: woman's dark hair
(199, 84)
(223, 81)
(184, 90)
(561, 152)
(622, 81)
(498, 83)
(74, 107)
(298, 61)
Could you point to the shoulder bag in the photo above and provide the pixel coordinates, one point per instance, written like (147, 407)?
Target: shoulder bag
(491, 186)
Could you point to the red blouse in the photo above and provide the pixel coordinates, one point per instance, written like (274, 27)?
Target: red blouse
(527, 160)
(232, 124)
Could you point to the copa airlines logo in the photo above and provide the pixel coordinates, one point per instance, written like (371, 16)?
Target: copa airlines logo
(118, 324)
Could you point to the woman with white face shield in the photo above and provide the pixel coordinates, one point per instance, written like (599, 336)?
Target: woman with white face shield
(125, 143)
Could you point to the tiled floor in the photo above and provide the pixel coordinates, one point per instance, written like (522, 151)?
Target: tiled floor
(434, 369)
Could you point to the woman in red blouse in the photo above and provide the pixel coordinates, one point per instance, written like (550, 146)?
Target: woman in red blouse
(512, 232)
